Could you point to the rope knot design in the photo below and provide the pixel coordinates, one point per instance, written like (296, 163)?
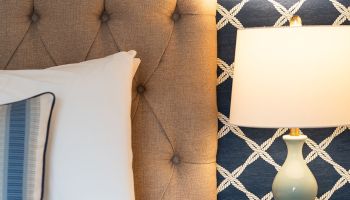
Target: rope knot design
(344, 12)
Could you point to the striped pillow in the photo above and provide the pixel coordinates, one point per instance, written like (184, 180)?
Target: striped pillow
(23, 138)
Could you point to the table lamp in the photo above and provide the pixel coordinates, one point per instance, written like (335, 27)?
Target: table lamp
(294, 77)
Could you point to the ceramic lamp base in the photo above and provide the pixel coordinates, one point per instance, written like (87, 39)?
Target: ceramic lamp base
(294, 181)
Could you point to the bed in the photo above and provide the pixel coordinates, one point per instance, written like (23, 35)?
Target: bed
(174, 112)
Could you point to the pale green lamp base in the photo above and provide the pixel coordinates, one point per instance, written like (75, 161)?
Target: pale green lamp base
(294, 181)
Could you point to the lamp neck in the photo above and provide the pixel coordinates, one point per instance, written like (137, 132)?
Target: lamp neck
(295, 146)
(294, 132)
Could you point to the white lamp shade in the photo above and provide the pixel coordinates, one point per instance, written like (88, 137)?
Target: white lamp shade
(294, 77)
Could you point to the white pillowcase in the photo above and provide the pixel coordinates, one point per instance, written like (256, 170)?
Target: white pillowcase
(89, 153)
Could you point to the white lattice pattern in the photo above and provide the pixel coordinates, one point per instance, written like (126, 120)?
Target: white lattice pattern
(345, 12)
(287, 14)
(227, 71)
(231, 179)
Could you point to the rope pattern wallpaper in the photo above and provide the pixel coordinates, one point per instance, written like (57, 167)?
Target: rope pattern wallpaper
(249, 158)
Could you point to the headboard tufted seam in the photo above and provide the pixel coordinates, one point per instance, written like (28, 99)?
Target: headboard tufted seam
(160, 125)
(135, 99)
(161, 57)
(93, 42)
(168, 184)
(14, 51)
(196, 163)
(115, 41)
(194, 14)
(45, 46)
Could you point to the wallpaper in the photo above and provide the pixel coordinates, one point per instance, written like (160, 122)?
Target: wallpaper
(248, 158)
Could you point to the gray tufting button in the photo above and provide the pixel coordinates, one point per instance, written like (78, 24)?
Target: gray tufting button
(104, 16)
(141, 89)
(35, 17)
(176, 16)
(175, 160)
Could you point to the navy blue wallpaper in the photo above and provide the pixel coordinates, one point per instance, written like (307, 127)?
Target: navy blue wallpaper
(248, 158)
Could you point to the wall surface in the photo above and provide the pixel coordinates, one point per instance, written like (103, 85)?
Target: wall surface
(248, 158)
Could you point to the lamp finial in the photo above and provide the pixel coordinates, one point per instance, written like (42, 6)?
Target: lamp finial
(295, 21)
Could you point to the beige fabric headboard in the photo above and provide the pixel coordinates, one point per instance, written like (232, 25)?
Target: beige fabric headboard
(174, 101)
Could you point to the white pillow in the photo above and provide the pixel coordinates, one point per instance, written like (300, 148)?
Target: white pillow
(89, 155)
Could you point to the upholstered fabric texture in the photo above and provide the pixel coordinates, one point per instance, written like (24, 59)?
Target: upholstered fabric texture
(174, 104)
(24, 128)
(248, 158)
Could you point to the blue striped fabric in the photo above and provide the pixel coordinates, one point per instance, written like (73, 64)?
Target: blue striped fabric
(23, 138)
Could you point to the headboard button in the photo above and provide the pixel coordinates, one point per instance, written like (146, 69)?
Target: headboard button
(104, 17)
(175, 160)
(141, 89)
(34, 17)
(176, 17)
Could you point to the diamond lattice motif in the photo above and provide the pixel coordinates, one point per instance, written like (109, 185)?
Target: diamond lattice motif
(227, 17)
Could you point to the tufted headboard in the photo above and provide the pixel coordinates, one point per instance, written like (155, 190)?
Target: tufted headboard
(174, 109)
